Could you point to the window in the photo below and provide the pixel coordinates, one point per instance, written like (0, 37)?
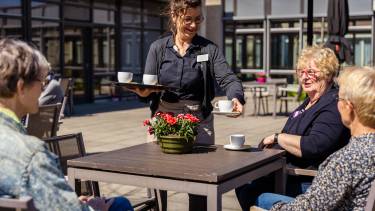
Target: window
(74, 12)
(131, 41)
(229, 49)
(104, 16)
(46, 10)
(131, 14)
(10, 7)
(46, 36)
(284, 50)
(254, 51)
(10, 27)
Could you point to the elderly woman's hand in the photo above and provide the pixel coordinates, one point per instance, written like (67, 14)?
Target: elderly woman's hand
(100, 203)
(269, 140)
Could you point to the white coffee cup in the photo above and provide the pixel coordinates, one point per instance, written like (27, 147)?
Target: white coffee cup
(237, 140)
(124, 77)
(150, 79)
(224, 105)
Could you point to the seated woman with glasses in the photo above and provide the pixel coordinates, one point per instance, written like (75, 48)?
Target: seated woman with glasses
(28, 168)
(344, 179)
(313, 131)
(52, 91)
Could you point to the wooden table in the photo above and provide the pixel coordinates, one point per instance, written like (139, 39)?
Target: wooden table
(207, 171)
(274, 83)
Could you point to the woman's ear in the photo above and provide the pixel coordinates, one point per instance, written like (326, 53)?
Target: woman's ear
(349, 105)
(20, 87)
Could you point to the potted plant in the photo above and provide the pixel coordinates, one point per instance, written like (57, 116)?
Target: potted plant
(260, 77)
(175, 134)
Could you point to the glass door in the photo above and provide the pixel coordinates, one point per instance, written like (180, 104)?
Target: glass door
(78, 61)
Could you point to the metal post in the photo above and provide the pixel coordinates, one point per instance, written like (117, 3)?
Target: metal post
(310, 21)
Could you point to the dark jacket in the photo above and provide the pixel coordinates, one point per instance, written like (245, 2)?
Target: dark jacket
(217, 69)
(321, 129)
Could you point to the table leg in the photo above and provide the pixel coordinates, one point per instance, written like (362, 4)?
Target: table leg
(72, 178)
(213, 199)
(162, 199)
(280, 179)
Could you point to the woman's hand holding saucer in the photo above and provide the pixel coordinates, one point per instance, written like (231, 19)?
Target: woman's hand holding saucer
(237, 107)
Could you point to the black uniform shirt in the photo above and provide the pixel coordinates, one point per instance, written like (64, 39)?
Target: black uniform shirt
(182, 73)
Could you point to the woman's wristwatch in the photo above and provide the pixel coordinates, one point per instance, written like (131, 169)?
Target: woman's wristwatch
(276, 138)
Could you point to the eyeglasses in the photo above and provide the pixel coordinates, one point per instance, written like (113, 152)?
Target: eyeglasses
(311, 73)
(339, 98)
(189, 20)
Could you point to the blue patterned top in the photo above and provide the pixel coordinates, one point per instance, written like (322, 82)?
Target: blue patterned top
(343, 181)
(28, 168)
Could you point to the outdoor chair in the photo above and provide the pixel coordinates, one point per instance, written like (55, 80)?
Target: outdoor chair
(260, 96)
(370, 202)
(67, 87)
(71, 146)
(23, 203)
(44, 124)
(295, 89)
(68, 147)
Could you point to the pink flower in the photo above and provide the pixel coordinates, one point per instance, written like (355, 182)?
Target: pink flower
(180, 116)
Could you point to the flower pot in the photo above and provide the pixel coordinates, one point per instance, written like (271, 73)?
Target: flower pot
(261, 80)
(173, 144)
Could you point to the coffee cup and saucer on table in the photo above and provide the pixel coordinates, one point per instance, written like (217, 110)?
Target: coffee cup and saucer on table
(225, 107)
(237, 142)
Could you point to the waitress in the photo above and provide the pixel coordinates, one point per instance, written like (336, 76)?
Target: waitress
(189, 64)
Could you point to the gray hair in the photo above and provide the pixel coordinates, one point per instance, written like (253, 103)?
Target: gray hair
(19, 61)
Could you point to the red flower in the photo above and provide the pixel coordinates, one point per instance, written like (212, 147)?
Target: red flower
(146, 122)
(171, 120)
(167, 124)
(191, 118)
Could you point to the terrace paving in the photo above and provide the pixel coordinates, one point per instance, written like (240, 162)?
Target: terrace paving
(110, 125)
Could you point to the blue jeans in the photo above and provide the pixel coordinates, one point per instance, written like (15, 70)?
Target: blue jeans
(121, 204)
(248, 194)
(267, 200)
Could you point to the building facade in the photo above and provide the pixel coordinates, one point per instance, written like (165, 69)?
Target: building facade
(267, 35)
(89, 40)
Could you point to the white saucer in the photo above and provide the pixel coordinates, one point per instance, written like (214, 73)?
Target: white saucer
(231, 113)
(231, 147)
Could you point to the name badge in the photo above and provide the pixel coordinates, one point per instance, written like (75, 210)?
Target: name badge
(202, 58)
